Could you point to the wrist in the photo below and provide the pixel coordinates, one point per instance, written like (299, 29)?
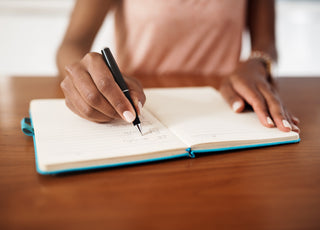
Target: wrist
(267, 61)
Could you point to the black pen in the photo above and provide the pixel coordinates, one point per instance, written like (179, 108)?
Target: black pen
(114, 69)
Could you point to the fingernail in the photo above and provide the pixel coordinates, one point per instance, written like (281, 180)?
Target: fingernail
(286, 124)
(269, 121)
(140, 107)
(236, 106)
(128, 116)
(295, 128)
(296, 119)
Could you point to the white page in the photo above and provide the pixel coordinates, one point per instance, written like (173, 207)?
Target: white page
(61, 136)
(200, 115)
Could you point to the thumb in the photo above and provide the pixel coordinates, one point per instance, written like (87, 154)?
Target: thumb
(232, 98)
(138, 98)
(137, 95)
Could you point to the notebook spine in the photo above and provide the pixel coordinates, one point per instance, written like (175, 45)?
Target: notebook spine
(191, 153)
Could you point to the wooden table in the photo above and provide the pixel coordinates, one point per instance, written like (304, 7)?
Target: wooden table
(268, 188)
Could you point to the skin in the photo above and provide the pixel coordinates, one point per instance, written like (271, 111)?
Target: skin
(88, 85)
(91, 92)
(249, 82)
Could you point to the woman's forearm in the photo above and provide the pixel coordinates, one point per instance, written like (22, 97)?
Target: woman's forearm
(86, 20)
(261, 23)
(69, 53)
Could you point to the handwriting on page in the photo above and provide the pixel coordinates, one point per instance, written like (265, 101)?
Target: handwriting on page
(150, 133)
(84, 140)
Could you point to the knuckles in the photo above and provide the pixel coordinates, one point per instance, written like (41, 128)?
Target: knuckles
(91, 57)
(88, 59)
(73, 69)
(93, 98)
(63, 85)
(88, 111)
(104, 84)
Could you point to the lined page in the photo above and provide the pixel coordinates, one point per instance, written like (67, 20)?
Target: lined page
(199, 115)
(62, 137)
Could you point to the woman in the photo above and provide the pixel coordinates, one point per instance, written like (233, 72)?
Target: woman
(195, 37)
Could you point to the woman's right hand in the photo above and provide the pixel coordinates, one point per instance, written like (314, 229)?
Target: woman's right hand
(92, 93)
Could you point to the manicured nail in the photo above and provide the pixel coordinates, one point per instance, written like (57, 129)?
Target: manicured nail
(128, 116)
(296, 119)
(236, 106)
(295, 128)
(269, 121)
(140, 107)
(286, 124)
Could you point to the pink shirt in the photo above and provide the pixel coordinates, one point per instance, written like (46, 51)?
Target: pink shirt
(155, 37)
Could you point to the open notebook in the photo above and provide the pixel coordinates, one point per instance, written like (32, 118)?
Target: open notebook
(176, 122)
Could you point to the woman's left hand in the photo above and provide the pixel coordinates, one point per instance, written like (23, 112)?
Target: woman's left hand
(250, 83)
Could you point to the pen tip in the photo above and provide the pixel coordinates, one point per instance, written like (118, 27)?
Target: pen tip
(139, 128)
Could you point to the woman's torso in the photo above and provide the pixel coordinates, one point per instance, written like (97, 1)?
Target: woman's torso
(179, 36)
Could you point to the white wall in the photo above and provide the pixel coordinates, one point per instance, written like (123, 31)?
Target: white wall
(31, 30)
(298, 38)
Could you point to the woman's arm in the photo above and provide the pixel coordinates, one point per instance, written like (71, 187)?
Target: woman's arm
(89, 88)
(251, 82)
(261, 25)
(86, 20)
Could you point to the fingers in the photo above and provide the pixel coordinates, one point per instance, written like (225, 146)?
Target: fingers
(92, 92)
(107, 86)
(83, 90)
(275, 108)
(291, 119)
(137, 94)
(76, 103)
(295, 120)
(233, 99)
(253, 97)
(282, 118)
(263, 99)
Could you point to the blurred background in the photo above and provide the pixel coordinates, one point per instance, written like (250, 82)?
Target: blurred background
(31, 31)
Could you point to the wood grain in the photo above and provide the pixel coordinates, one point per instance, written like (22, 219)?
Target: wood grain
(267, 188)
